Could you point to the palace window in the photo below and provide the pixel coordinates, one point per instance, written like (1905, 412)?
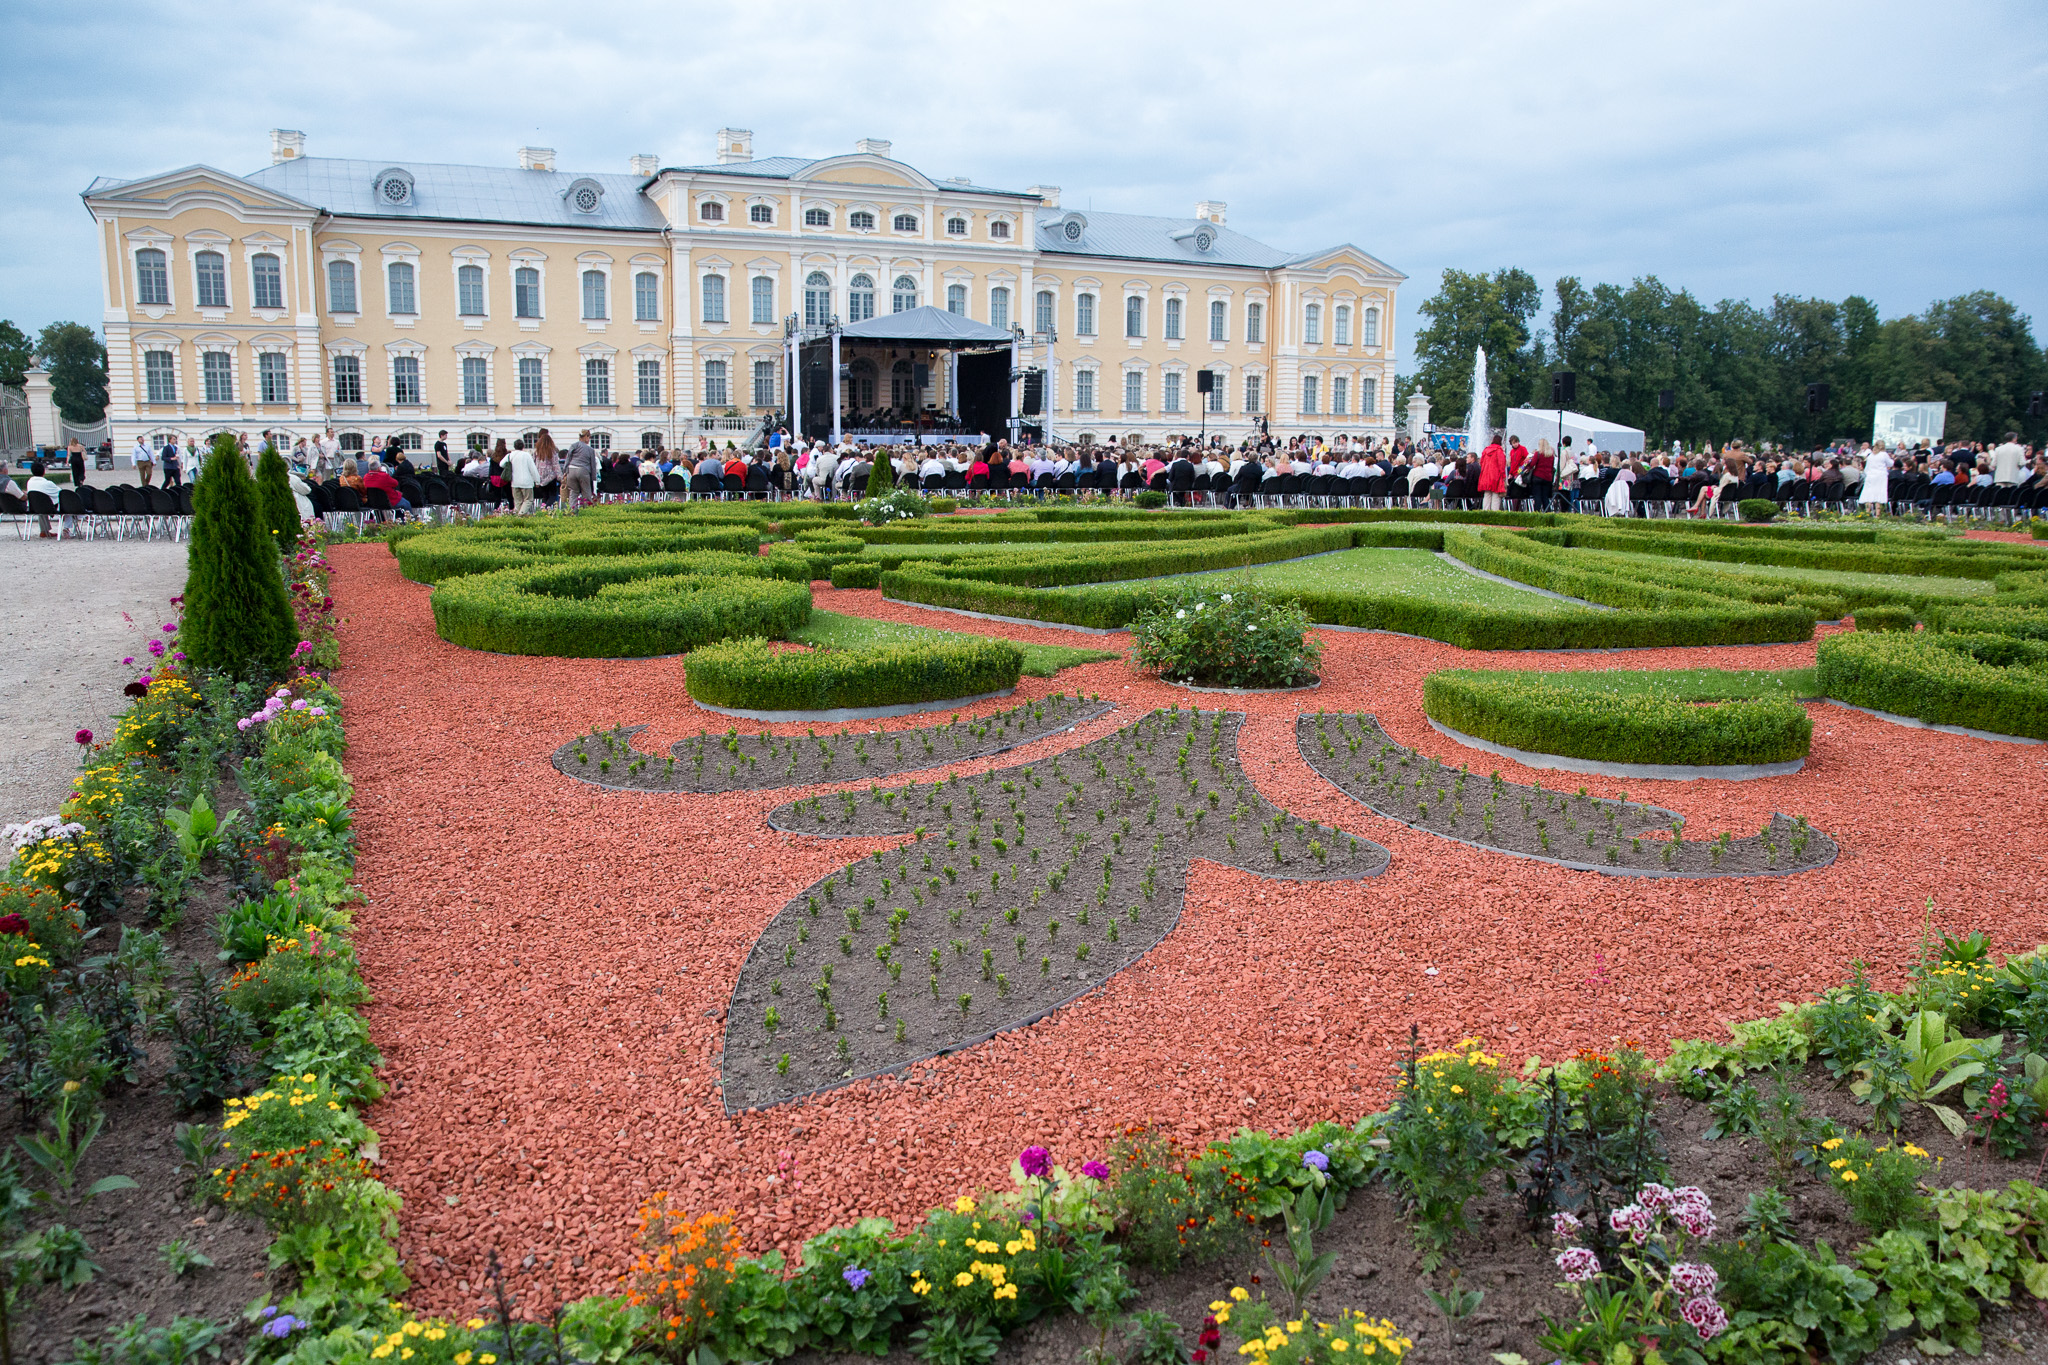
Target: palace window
(160, 375)
(341, 286)
(711, 211)
(1134, 390)
(904, 222)
(904, 294)
(469, 291)
(1084, 315)
(956, 299)
(477, 442)
(817, 296)
(999, 308)
(860, 299)
(818, 218)
(1340, 396)
(399, 288)
(1254, 323)
(1084, 391)
(764, 300)
(1369, 397)
(647, 297)
(594, 307)
(1340, 325)
(956, 227)
(212, 268)
(218, 369)
(266, 281)
(764, 383)
(1311, 393)
(1369, 328)
(152, 277)
(405, 379)
(526, 292)
(476, 380)
(1043, 322)
(1219, 320)
(648, 375)
(1254, 394)
(650, 440)
(273, 379)
(348, 379)
(716, 394)
(1170, 396)
(352, 442)
(1134, 316)
(597, 383)
(760, 213)
(533, 384)
(1312, 327)
(1173, 320)
(999, 230)
(714, 298)
(860, 220)
(1214, 401)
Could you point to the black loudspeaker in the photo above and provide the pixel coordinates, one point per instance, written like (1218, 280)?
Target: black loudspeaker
(2037, 406)
(1034, 393)
(1667, 399)
(1205, 382)
(1816, 398)
(921, 375)
(1564, 389)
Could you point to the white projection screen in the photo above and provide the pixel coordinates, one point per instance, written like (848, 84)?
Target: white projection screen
(1908, 422)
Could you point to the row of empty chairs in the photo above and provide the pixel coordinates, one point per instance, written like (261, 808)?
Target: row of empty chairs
(93, 511)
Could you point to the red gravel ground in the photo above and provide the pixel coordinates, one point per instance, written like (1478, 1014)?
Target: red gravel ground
(551, 962)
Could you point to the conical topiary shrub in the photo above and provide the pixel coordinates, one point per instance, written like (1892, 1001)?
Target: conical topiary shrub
(882, 481)
(279, 509)
(238, 617)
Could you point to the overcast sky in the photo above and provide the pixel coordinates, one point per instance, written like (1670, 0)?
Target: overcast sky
(1737, 149)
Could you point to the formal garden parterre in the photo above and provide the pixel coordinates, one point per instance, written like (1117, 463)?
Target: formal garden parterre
(550, 964)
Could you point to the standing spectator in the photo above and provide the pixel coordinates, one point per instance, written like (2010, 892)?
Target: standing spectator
(174, 472)
(141, 456)
(1877, 490)
(2009, 462)
(145, 467)
(824, 464)
(441, 453)
(328, 455)
(524, 472)
(579, 472)
(1543, 474)
(1493, 474)
(548, 487)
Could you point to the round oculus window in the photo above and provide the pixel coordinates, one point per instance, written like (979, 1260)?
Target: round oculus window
(396, 190)
(586, 199)
(1203, 241)
(1073, 231)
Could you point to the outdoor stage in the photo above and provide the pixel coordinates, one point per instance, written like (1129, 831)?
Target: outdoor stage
(919, 360)
(925, 438)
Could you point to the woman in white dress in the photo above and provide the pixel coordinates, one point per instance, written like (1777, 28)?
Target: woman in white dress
(1877, 479)
(1618, 489)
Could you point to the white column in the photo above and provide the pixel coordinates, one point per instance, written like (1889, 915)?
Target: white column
(1015, 386)
(796, 392)
(835, 389)
(42, 410)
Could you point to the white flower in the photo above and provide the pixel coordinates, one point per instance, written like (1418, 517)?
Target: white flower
(1180, 615)
(1201, 606)
(1226, 597)
(1249, 629)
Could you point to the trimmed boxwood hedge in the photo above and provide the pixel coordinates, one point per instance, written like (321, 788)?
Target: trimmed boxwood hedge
(449, 552)
(2027, 623)
(1532, 711)
(1884, 618)
(753, 674)
(1934, 558)
(627, 607)
(856, 573)
(1997, 683)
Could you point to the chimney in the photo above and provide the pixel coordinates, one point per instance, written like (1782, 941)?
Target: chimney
(647, 163)
(873, 146)
(1048, 195)
(735, 144)
(1211, 210)
(286, 144)
(536, 158)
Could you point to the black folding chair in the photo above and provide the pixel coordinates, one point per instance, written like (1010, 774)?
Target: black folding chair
(14, 509)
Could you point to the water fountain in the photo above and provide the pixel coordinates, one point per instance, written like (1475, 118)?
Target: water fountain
(1477, 433)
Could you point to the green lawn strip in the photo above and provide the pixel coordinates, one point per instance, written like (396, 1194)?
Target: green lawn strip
(1906, 589)
(1695, 684)
(1392, 573)
(858, 632)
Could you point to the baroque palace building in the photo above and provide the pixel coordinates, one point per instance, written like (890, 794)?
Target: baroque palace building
(653, 306)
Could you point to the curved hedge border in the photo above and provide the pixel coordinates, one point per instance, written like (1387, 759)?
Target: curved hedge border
(439, 555)
(613, 608)
(1532, 711)
(753, 674)
(1994, 683)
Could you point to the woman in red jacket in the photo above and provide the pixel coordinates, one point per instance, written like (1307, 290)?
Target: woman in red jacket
(1493, 474)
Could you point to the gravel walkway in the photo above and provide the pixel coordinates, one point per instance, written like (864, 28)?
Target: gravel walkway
(550, 962)
(72, 610)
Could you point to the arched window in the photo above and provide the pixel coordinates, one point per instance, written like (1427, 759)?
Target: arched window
(647, 297)
(593, 295)
(469, 290)
(902, 387)
(956, 299)
(1084, 315)
(904, 222)
(860, 386)
(1340, 325)
(763, 288)
(817, 296)
(861, 221)
(1369, 328)
(1044, 321)
(212, 269)
(266, 281)
(955, 227)
(341, 286)
(817, 218)
(760, 213)
(1312, 329)
(711, 211)
(714, 298)
(999, 308)
(1219, 320)
(1254, 328)
(399, 291)
(1134, 316)
(860, 299)
(999, 230)
(904, 294)
(526, 292)
(152, 278)
(1173, 307)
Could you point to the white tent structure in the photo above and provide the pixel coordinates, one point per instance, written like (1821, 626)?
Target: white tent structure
(1542, 424)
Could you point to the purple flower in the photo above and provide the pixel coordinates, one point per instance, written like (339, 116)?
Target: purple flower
(1578, 1264)
(156, 647)
(1316, 1161)
(1036, 1161)
(854, 1276)
(1095, 1170)
(1708, 1318)
(1564, 1226)
(1693, 1280)
(170, 629)
(179, 657)
(128, 661)
(83, 736)
(282, 1326)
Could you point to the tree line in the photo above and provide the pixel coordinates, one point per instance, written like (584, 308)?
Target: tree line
(75, 359)
(1734, 369)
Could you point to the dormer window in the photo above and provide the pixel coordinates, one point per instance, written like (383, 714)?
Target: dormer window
(999, 230)
(861, 221)
(904, 222)
(393, 187)
(711, 211)
(818, 218)
(584, 195)
(956, 227)
(761, 213)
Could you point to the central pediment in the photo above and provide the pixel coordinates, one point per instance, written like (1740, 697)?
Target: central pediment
(864, 168)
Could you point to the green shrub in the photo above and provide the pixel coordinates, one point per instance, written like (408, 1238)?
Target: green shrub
(1532, 711)
(1757, 509)
(2027, 624)
(238, 618)
(280, 510)
(754, 675)
(628, 607)
(941, 506)
(508, 543)
(1237, 636)
(856, 573)
(1884, 618)
(1149, 498)
(1984, 682)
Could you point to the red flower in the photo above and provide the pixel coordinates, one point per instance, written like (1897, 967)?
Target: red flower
(13, 924)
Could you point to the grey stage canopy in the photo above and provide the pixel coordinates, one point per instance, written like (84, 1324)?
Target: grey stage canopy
(926, 326)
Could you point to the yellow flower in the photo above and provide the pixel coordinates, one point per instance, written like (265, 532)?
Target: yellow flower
(1219, 1307)
(381, 1352)
(1838, 1163)
(405, 1353)
(963, 1279)
(1830, 1144)
(1457, 1090)
(486, 1359)
(1013, 1246)
(1911, 1150)
(918, 1285)
(1029, 1239)
(474, 1323)
(462, 1358)
(964, 1204)
(1848, 1175)
(1240, 1293)
(1339, 1345)
(1007, 1291)
(435, 1334)
(412, 1329)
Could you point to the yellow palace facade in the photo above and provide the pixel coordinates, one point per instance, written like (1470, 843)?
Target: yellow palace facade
(653, 306)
